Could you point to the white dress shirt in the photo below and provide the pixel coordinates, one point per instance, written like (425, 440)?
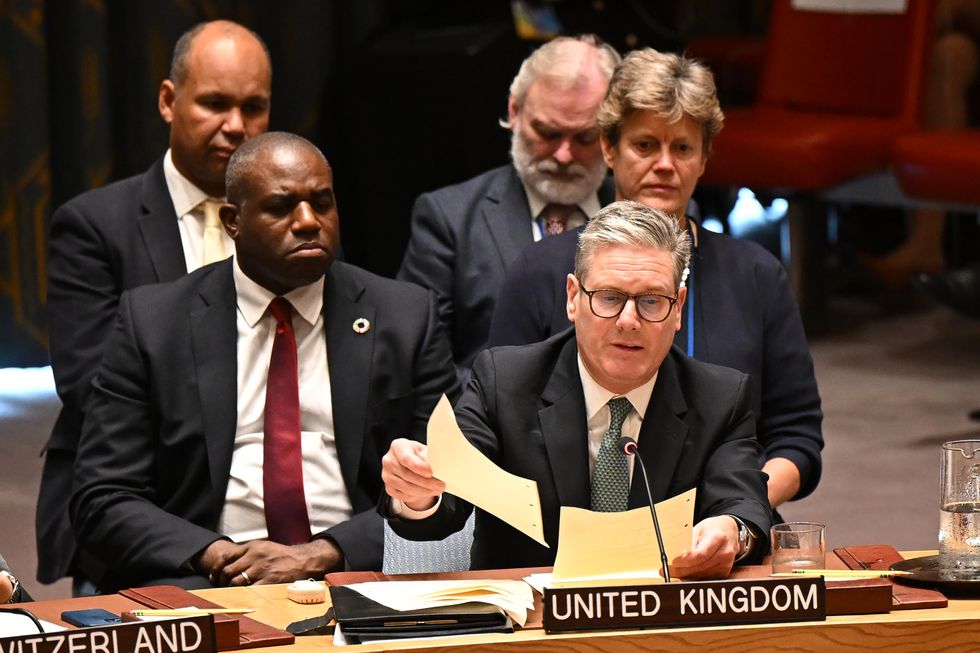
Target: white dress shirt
(599, 416)
(586, 209)
(243, 517)
(186, 198)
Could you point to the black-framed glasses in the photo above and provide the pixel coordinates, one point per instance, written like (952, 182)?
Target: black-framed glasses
(609, 303)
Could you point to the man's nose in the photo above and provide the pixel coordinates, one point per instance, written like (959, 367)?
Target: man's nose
(304, 218)
(628, 317)
(563, 153)
(234, 124)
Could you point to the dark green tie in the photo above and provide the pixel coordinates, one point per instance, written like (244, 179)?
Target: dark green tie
(611, 480)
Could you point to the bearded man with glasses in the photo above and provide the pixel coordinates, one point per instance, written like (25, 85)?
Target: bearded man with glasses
(553, 412)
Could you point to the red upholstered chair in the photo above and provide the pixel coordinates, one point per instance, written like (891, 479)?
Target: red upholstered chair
(939, 165)
(837, 89)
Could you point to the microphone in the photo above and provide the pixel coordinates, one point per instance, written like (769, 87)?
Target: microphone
(628, 446)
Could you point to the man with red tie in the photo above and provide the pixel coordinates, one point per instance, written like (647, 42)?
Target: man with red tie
(236, 425)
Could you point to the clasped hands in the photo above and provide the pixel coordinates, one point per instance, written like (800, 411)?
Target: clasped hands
(226, 563)
(408, 478)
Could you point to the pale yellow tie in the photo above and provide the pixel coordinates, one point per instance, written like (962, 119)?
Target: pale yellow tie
(214, 244)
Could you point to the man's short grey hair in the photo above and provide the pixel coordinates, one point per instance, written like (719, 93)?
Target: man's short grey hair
(178, 63)
(669, 85)
(631, 224)
(243, 162)
(559, 59)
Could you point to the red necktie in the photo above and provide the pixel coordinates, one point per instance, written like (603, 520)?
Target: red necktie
(554, 218)
(282, 467)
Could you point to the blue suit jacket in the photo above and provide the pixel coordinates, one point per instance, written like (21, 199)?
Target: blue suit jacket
(745, 317)
(463, 238)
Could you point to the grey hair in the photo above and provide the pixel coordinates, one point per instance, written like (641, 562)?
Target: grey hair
(178, 63)
(562, 60)
(669, 85)
(243, 161)
(630, 223)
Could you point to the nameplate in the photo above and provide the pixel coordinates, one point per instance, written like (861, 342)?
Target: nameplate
(701, 603)
(184, 635)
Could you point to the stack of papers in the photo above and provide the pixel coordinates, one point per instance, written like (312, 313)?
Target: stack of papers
(512, 596)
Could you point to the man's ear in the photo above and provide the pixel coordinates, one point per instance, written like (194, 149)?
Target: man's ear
(512, 110)
(679, 308)
(165, 100)
(229, 218)
(571, 291)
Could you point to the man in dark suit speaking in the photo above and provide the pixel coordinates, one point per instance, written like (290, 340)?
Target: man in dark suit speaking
(464, 236)
(236, 425)
(554, 411)
(156, 226)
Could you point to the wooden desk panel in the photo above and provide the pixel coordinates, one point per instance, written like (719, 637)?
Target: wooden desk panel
(955, 628)
(952, 629)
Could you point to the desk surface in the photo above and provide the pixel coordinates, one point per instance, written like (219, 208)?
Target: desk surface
(954, 628)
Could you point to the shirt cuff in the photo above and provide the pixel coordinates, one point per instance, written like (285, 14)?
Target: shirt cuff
(399, 509)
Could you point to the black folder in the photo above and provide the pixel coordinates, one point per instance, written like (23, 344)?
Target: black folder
(361, 619)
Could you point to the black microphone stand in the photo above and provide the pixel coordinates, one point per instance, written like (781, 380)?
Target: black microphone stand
(628, 446)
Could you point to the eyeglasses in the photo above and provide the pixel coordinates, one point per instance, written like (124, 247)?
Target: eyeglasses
(609, 303)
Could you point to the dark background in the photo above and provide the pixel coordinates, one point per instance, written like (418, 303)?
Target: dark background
(403, 96)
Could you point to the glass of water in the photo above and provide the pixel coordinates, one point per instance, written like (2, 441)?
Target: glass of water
(959, 519)
(798, 545)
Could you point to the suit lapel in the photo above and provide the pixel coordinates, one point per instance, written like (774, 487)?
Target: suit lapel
(507, 216)
(350, 357)
(662, 436)
(212, 321)
(564, 428)
(158, 226)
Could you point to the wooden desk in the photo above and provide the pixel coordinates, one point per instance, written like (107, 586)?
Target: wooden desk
(955, 628)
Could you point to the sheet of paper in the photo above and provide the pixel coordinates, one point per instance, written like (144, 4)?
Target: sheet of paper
(513, 596)
(473, 477)
(14, 625)
(596, 544)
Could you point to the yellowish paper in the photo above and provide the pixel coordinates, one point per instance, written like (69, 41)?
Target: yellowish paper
(473, 477)
(607, 545)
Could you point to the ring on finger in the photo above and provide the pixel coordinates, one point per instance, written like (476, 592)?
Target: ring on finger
(248, 581)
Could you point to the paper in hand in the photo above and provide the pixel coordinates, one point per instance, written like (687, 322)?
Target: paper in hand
(597, 544)
(473, 477)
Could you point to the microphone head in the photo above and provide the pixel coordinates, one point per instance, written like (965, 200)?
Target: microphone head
(627, 445)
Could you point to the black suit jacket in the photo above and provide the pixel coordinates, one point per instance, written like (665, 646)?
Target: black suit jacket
(745, 317)
(463, 238)
(154, 458)
(524, 409)
(101, 243)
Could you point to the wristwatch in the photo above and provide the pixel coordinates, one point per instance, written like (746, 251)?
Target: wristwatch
(746, 539)
(17, 594)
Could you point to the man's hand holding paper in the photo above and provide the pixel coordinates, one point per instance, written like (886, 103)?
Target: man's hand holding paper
(408, 477)
(409, 471)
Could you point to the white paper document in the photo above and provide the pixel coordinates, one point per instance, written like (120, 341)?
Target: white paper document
(471, 476)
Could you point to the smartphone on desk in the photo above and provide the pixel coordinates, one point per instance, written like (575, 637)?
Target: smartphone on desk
(88, 618)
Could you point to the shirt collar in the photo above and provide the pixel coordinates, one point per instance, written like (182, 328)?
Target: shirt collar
(253, 299)
(596, 397)
(183, 193)
(589, 206)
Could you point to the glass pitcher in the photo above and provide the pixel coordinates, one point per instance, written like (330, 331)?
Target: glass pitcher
(959, 521)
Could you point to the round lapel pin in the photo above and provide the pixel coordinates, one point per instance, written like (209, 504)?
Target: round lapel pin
(362, 325)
